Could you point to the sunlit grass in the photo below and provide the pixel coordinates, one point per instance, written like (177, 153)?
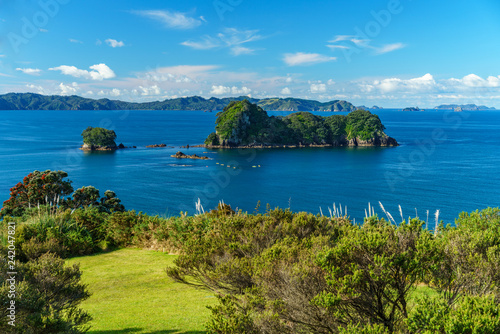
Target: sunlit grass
(131, 293)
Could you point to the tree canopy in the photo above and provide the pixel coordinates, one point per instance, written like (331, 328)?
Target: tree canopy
(51, 188)
(99, 137)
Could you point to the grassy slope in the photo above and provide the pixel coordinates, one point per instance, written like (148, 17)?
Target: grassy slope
(131, 293)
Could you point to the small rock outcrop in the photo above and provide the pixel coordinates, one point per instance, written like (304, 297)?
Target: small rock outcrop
(156, 145)
(180, 155)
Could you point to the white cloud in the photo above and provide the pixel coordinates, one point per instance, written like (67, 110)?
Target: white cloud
(333, 47)
(43, 30)
(317, 88)
(115, 92)
(75, 41)
(475, 81)
(300, 58)
(240, 91)
(114, 43)
(99, 72)
(350, 38)
(231, 38)
(68, 90)
(286, 91)
(224, 90)
(423, 83)
(38, 88)
(173, 20)
(220, 90)
(389, 48)
(149, 91)
(241, 50)
(362, 43)
(205, 43)
(30, 71)
(2, 56)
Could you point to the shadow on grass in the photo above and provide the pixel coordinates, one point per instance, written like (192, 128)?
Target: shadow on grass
(136, 329)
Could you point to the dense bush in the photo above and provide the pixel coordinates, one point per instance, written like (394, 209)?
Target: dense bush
(99, 137)
(284, 272)
(47, 298)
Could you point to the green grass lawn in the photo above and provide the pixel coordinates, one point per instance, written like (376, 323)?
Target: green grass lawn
(131, 293)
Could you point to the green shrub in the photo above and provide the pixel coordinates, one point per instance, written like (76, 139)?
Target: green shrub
(47, 299)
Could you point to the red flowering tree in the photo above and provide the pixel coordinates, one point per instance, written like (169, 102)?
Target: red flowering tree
(37, 188)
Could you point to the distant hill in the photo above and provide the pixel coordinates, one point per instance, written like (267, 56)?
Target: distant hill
(31, 101)
(464, 107)
(411, 109)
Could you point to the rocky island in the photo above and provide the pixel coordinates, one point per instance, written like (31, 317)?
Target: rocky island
(411, 109)
(243, 125)
(99, 139)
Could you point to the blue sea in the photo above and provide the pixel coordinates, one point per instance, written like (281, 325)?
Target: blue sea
(447, 161)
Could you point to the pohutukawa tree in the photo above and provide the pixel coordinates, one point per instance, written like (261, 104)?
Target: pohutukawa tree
(37, 188)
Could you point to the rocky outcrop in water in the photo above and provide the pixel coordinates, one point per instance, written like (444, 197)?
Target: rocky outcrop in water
(180, 155)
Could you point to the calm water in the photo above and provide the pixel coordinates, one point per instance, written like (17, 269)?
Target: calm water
(447, 161)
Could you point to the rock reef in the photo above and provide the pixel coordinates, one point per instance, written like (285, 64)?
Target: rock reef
(180, 155)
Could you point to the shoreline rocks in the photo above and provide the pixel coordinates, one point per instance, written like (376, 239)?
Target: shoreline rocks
(156, 145)
(355, 142)
(86, 147)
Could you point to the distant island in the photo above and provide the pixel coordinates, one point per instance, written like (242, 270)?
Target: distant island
(411, 109)
(31, 101)
(461, 107)
(244, 124)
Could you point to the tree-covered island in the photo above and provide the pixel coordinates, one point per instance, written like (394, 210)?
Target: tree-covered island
(243, 124)
(99, 139)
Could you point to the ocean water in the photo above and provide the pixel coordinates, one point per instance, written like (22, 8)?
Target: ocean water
(447, 161)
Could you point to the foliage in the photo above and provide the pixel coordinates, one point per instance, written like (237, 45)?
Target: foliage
(49, 188)
(212, 139)
(99, 137)
(243, 123)
(37, 188)
(85, 196)
(467, 256)
(284, 272)
(62, 234)
(48, 295)
(240, 120)
(479, 315)
(363, 124)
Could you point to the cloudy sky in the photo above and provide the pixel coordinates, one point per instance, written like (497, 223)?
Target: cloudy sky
(392, 53)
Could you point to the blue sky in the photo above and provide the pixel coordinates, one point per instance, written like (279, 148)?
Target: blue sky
(393, 53)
